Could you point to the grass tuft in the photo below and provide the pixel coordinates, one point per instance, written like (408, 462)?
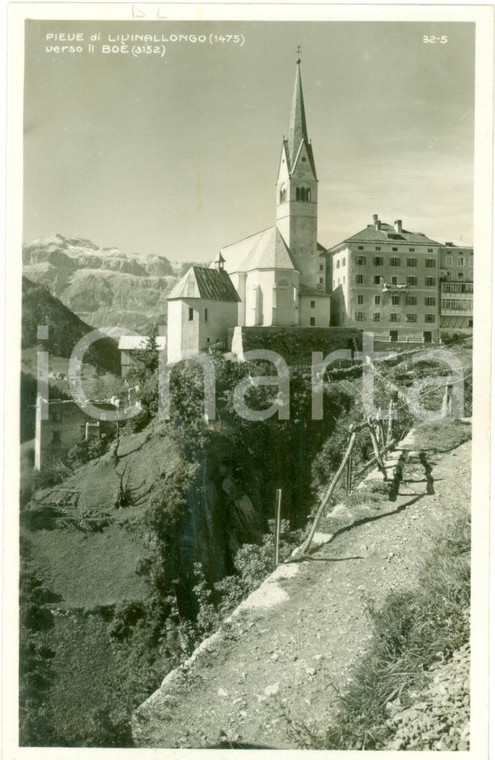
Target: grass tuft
(442, 435)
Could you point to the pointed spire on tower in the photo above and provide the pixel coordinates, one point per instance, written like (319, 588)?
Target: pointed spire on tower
(297, 124)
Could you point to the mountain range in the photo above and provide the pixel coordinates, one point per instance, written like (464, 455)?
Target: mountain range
(105, 287)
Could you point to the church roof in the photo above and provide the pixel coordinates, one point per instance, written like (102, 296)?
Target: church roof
(263, 250)
(298, 130)
(203, 282)
(387, 233)
(304, 290)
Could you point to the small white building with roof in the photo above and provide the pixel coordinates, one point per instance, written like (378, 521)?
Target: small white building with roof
(202, 308)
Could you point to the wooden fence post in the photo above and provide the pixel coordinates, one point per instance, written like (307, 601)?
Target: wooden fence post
(328, 494)
(376, 449)
(389, 424)
(348, 476)
(278, 510)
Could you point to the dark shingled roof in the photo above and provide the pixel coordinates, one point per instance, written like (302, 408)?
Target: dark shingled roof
(202, 282)
(387, 234)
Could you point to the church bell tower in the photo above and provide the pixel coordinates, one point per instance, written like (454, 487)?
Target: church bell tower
(297, 192)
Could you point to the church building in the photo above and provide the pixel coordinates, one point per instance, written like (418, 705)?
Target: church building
(278, 274)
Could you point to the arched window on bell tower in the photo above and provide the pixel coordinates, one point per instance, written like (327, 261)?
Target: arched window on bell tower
(303, 194)
(283, 194)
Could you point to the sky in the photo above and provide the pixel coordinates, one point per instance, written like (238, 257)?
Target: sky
(178, 155)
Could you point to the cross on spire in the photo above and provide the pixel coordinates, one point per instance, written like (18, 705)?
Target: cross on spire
(298, 51)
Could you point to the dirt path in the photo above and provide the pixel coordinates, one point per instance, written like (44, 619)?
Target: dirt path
(288, 658)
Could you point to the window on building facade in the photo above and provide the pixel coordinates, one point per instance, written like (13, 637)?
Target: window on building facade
(394, 317)
(338, 264)
(283, 195)
(360, 247)
(377, 300)
(430, 250)
(360, 299)
(376, 279)
(394, 280)
(313, 304)
(430, 301)
(460, 261)
(460, 276)
(412, 280)
(456, 304)
(191, 315)
(395, 300)
(430, 263)
(411, 300)
(395, 261)
(430, 281)
(360, 260)
(312, 321)
(412, 262)
(430, 318)
(378, 248)
(378, 261)
(321, 267)
(457, 287)
(412, 317)
(206, 315)
(448, 261)
(359, 279)
(360, 316)
(321, 280)
(376, 316)
(395, 249)
(343, 261)
(411, 250)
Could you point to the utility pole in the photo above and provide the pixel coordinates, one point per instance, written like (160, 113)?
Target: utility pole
(37, 435)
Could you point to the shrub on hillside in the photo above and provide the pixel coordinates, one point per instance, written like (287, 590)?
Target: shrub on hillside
(83, 451)
(253, 564)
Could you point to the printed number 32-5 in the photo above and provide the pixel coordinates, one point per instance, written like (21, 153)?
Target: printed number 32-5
(432, 39)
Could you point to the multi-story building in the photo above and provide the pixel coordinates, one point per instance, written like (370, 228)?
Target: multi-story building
(385, 280)
(456, 289)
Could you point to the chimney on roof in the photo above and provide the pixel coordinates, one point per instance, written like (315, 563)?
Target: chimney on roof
(376, 222)
(398, 225)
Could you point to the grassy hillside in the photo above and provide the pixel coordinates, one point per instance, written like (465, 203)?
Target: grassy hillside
(114, 546)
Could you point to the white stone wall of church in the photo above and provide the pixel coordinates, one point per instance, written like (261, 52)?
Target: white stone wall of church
(182, 333)
(221, 317)
(262, 300)
(174, 331)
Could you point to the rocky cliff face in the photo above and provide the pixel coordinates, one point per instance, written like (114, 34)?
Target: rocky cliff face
(103, 286)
